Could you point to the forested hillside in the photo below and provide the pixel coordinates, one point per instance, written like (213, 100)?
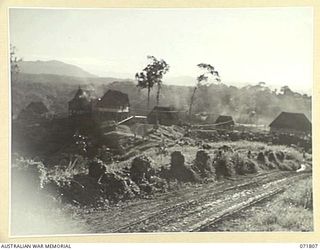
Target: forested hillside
(250, 104)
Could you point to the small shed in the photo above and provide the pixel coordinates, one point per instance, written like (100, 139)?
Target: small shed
(291, 123)
(165, 115)
(224, 122)
(34, 111)
(205, 118)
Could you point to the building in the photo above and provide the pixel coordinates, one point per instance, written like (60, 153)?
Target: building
(291, 123)
(164, 115)
(34, 111)
(224, 122)
(80, 104)
(205, 118)
(114, 105)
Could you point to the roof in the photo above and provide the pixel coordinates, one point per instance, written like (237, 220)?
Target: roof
(296, 121)
(36, 108)
(225, 119)
(81, 100)
(166, 115)
(113, 98)
(163, 108)
(81, 95)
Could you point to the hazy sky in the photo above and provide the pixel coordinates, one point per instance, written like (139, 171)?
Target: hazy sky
(274, 45)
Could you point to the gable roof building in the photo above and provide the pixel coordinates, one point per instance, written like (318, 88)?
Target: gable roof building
(81, 103)
(113, 101)
(288, 122)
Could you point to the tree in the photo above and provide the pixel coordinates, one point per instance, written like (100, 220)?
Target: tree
(285, 90)
(14, 60)
(152, 75)
(202, 79)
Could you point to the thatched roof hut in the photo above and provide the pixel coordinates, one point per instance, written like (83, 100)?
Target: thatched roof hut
(33, 111)
(165, 116)
(224, 122)
(287, 122)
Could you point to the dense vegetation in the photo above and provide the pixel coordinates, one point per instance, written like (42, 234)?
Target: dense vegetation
(250, 104)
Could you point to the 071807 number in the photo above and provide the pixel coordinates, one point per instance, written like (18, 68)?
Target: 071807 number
(308, 245)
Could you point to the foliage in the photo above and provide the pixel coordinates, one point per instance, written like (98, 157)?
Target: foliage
(250, 104)
(202, 79)
(14, 60)
(152, 75)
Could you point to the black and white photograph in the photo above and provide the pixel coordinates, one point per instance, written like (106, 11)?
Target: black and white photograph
(160, 120)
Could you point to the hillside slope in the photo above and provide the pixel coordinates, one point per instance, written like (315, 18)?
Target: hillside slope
(52, 67)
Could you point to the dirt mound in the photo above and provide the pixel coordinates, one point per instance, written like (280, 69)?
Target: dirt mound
(117, 187)
(224, 167)
(280, 155)
(141, 169)
(203, 163)
(180, 171)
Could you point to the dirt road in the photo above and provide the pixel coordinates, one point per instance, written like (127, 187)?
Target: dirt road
(191, 208)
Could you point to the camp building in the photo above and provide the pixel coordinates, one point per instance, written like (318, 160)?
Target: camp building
(224, 122)
(80, 104)
(34, 111)
(291, 123)
(113, 105)
(165, 115)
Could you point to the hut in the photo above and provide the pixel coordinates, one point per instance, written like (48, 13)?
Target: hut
(205, 118)
(114, 105)
(34, 111)
(224, 122)
(164, 115)
(80, 104)
(291, 123)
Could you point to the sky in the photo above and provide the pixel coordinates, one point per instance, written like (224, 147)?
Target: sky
(245, 45)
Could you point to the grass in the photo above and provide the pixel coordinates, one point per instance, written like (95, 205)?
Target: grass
(290, 211)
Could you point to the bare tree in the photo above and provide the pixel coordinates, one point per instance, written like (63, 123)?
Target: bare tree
(152, 75)
(203, 79)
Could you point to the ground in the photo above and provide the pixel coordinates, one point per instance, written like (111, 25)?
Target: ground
(243, 196)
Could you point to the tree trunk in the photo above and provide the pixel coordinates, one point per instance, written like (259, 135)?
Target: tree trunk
(148, 98)
(158, 94)
(191, 101)
(158, 100)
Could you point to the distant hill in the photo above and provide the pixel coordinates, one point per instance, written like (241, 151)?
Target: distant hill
(53, 67)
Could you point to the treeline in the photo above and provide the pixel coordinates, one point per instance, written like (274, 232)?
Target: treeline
(250, 104)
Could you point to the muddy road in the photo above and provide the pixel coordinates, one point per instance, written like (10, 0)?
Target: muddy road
(192, 208)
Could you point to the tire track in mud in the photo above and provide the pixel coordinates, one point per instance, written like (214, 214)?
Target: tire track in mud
(176, 210)
(197, 214)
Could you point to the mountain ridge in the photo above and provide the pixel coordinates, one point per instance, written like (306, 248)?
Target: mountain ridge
(53, 67)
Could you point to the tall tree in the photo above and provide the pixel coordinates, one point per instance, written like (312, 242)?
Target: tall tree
(203, 79)
(14, 60)
(152, 75)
